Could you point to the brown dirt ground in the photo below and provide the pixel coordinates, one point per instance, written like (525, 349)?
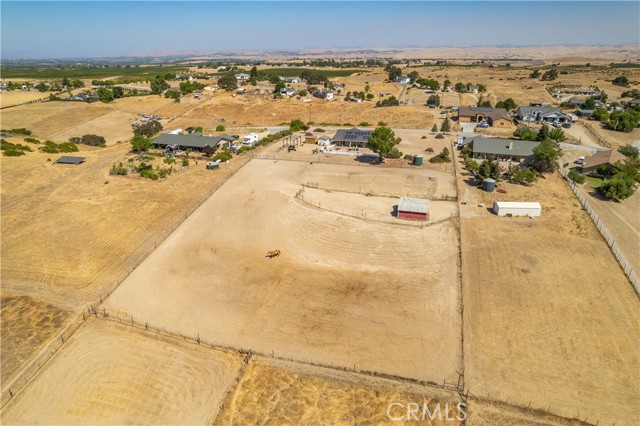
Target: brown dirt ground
(483, 413)
(280, 394)
(343, 292)
(109, 373)
(15, 97)
(537, 327)
(27, 324)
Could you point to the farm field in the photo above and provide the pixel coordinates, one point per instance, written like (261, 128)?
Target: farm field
(276, 393)
(109, 373)
(554, 341)
(27, 324)
(343, 292)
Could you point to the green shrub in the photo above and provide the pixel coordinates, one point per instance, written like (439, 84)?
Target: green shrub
(32, 140)
(245, 149)
(12, 153)
(576, 177)
(19, 131)
(149, 174)
(118, 170)
(220, 128)
(223, 156)
(8, 146)
(522, 175)
(185, 162)
(169, 160)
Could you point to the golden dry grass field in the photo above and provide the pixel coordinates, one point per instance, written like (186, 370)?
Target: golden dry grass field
(549, 318)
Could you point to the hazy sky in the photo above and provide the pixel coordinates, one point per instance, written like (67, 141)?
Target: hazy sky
(94, 29)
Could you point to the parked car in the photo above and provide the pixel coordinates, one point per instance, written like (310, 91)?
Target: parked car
(580, 160)
(483, 125)
(556, 124)
(291, 148)
(566, 125)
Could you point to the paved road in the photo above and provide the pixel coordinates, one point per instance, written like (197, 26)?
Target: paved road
(622, 220)
(402, 92)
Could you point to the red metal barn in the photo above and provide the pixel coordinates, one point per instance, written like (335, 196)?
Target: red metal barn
(413, 208)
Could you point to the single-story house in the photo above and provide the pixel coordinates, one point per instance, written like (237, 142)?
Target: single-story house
(607, 158)
(576, 102)
(538, 104)
(242, 77)
(472, 89)
(585, 113)
(323, 94)
(194, 141)
(352, 138)
(288, 91)
(633, 102)
(403, 80)
(541, 114)
(496, 117)
(413, 208)
(291, 80)
(502, 149)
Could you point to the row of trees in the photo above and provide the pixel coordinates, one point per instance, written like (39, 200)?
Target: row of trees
(526, 133)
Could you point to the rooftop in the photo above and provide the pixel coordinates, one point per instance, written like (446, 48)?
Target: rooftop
(610, 156)
(194, 140)
(493, 113)
(413, 205)
(499, 146)
(352, 135)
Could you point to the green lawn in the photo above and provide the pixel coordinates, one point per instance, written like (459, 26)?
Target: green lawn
(593, 182)
(92, 73)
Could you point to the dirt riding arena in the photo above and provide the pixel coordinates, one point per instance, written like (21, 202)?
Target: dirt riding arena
(115, 374)
(344, 291)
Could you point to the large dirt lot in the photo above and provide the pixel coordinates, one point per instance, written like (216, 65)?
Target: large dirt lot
(109, 373)
(542, 328)
(343, 292)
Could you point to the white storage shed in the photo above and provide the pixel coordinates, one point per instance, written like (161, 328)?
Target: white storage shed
(514, 208)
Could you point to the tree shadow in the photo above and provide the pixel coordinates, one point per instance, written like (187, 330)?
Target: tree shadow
(365, 159)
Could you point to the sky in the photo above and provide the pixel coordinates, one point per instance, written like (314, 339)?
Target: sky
(90, 29)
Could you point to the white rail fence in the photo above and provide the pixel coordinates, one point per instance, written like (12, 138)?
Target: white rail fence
(624, 264)
(581, 147)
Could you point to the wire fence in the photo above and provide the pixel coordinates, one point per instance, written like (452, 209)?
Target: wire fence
(356, 161)
(34, 366)
(372, 193)
(624, 264)
(369, 216)
(599, 139)
(580, 147)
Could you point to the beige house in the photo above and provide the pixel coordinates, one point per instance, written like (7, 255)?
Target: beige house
(496, 117)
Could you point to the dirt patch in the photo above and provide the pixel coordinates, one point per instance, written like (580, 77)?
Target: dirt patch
(109, 373)
(483, 413)
(27, 325)
(344, 291)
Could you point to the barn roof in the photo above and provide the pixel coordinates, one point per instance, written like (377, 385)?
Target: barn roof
(68, 159)
(413, 205)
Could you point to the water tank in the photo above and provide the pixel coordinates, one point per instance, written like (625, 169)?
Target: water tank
(417, 160)
(489, 184)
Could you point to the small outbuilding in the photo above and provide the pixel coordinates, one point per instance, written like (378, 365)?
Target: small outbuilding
(517, 208)
(413, 208)
(68, 159)
(310, 138)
